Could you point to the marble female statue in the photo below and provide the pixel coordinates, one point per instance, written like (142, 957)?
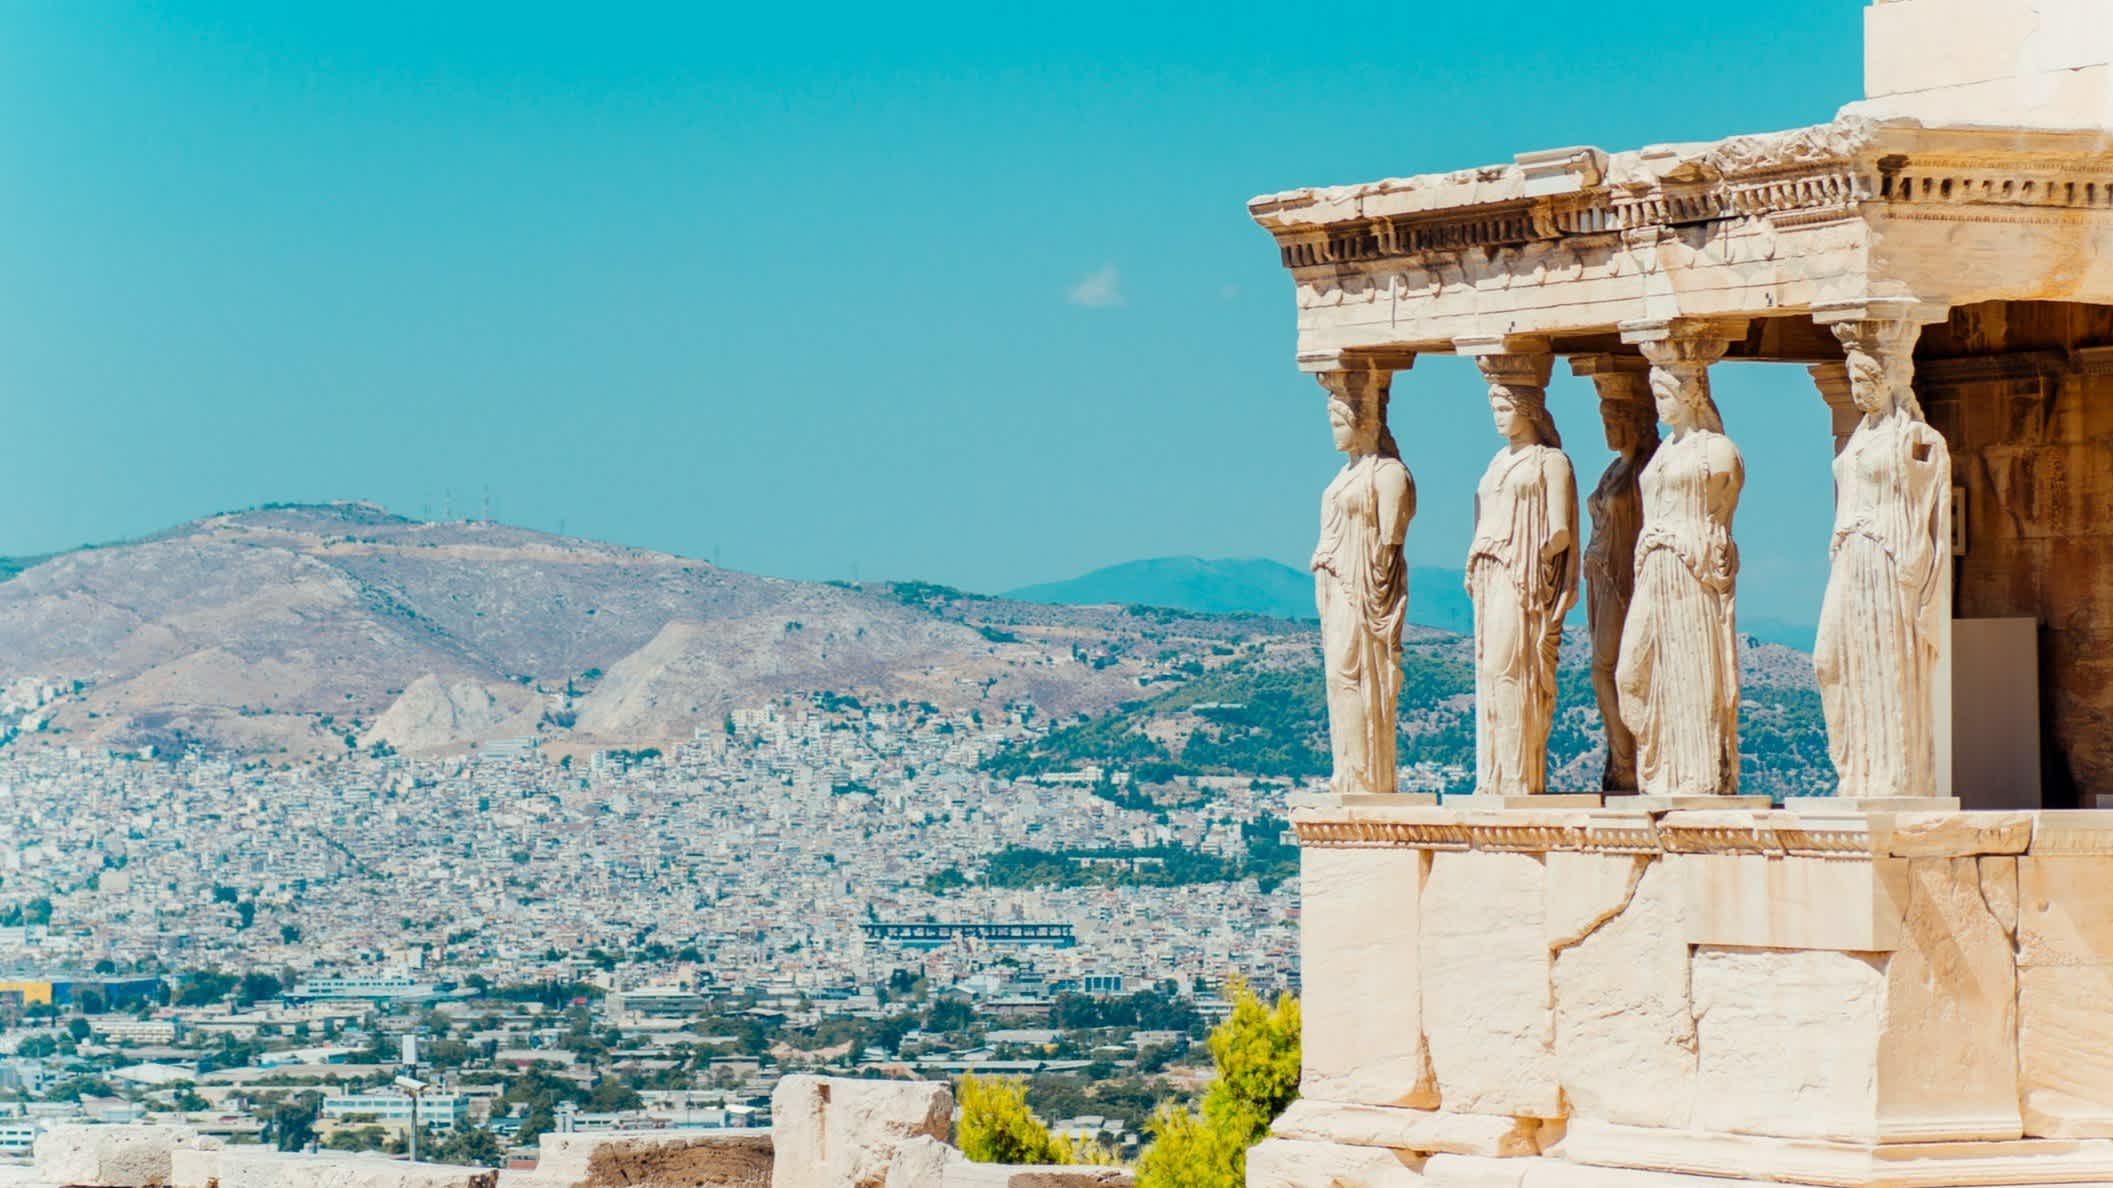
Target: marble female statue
(1616, 505)
(1883, 618)
(1522, 575)
(1678, 676)
(1361, 585)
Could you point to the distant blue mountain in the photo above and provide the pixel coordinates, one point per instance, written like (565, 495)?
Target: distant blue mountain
(1251, 586)
(1262, 587)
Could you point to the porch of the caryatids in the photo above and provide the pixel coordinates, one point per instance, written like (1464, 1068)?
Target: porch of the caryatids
(1522, 568)
(1884, 629)
(1677, 678)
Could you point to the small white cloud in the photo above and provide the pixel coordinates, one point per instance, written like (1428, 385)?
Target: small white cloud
(1101, 289)
(1229, 292)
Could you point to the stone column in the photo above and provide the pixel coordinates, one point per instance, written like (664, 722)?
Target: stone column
(1521, 568)
(1616, 504)
(1678, 676)
(1360, 578)
(1884, 650)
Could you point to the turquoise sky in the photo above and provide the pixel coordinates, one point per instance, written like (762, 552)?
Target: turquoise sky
(959, 292)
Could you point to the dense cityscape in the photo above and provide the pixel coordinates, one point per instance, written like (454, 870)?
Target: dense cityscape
(618, 939)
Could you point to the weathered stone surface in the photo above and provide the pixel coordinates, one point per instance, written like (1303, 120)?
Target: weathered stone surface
(992, 1175)
(654, 1159)
(257, 1167)
(1624, 1028)
(1585, 890)
(1362, 1006)
(1950, 835)
(1293, 1163)
(921, 1162)
(1788, 1041)
(1550, 1173)
(1421, 1131)
(1766, 901)
(194, 1169)
(23, 1177)
(1472, 1171)
(2065, 979)
(832, 1133)
(1485, 976)
(1999, 889)
(1948, 1051)
(120, 1156)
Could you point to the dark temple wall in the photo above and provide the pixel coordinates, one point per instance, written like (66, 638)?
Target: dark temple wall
(2023, 392)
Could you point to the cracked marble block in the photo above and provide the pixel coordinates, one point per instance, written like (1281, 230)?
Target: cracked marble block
(1624, 1025)
(1487, 1004)
(2065, 981)
(1882, 1011)
(1362, 1003)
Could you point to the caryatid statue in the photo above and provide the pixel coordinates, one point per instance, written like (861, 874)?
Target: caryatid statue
(1361, 583)
(1678, 676)
(1883, 621)
(1616, 504)
(1522, 575)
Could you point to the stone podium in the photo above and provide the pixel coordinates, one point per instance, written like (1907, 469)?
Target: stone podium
(1623, 999)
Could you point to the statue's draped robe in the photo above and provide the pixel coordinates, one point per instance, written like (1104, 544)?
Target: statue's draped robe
(1361, 590)
(1519, 603)
(1678, 678)
(1881, 621)
(1610, 580)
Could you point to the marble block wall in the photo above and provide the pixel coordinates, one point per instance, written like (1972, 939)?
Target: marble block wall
(1545, 998)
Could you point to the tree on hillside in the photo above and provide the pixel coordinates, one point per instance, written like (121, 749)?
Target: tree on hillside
(997, 1127)
(1256, 1050)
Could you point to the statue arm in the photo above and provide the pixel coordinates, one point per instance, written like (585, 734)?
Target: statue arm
(1562, 508)
(1929, 469)
(1397, 503)
(1727, 477)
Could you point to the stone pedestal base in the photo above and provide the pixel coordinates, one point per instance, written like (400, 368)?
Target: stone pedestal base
(1548, 800)
(1600, 999)
(1680, 804)
(1711, 1161)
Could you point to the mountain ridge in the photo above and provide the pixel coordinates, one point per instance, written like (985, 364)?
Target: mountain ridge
(293, 630)
(1259, 585)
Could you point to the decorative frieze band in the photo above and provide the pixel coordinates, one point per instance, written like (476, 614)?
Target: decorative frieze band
(1816, 175)
(1825, 829)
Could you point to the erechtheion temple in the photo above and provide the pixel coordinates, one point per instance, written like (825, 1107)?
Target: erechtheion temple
(1658, 981)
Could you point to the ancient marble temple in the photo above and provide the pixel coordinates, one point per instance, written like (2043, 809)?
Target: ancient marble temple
(1659, 981)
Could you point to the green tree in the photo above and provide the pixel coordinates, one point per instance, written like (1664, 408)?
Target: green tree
(997, 1127)
(290, 1125)
(1256, 1050)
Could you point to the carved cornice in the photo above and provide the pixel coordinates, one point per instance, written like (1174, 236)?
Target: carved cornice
(1809, 176)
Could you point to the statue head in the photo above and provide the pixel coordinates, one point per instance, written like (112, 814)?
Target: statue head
(1357, 412)
(1517, 371)
(1631, 423)
(1521, 414)
(1881, 362)
(1680, 394)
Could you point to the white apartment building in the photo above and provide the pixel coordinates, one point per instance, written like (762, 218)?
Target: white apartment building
(441, 1111)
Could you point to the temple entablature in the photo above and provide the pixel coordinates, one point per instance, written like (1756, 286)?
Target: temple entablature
(1571, 244)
